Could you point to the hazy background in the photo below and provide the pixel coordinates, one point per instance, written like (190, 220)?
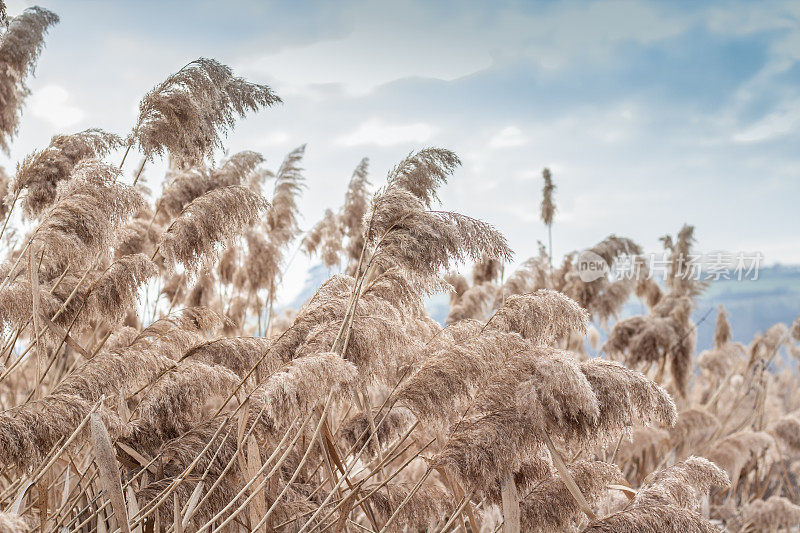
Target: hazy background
(650, 114)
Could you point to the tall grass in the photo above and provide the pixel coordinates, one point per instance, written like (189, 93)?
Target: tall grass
(147, 384)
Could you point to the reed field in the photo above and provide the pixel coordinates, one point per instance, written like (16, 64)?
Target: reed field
(149, 381)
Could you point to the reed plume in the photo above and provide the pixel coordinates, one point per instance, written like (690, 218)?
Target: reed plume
(550, 507)
(295, 390)
(174, 404)
(29, 431)
(207, 222)
(402, 227)
(626, 399)
(475, 303)
(425, 508)
(542, 317)
(80, 223)
(770, 514)
(683, 484)
(281, 220)
(340, 235)
(357, 431)
(189, 184)
(238, 354)
(267, 245)
(356, 203)
(325, 238)
(20, 46)
(187, 114)
(548, 209)
(787, 431)
(603, 297)
(40, 172)
(531, 276)
(114, 293)
(722, 330)
(736, 452)
(10, 522)
(694, 428)
(655, 519)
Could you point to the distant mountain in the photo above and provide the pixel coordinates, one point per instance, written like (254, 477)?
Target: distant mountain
(753, 305)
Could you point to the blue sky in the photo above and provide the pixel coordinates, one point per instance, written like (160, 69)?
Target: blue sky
(650, 114)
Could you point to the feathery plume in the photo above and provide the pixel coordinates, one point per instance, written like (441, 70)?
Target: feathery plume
(40, 173)
(80, 223)
(486, 271)
(239, 354)
(10, 522)
(626, 398)
(692, 430)
(146, 356)
(281, 221)
(656, 519)
(427, 506)
(548, 210)
(550, 507)
(667, 333)
(190, 184)
(531, 276)
(452, 370)
(647, 288)
(20, 46)
(423, 172)
(403, 230)
(207, 222)
(326, 238)
(541, 317)
(722, 331)
(114, 292)
(356, 203)
(265, 249)
(357, 430)
(683, 484)
(734, 452)
(187, 113)
(29, 431)
(474, 303)
(175, 403)
(787, 431)
(459, 285)
(770, 514)
(304, 383)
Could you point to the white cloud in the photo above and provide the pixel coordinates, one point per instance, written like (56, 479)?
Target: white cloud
(276, 138)
(51, 103)
(776, 124)
(389, 42)
(375, 131)
(15, 7)
(508, 137)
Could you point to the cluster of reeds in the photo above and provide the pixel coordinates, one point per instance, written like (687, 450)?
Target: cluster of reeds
(147, 383)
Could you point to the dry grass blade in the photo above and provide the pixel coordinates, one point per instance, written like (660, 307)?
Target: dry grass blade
(109, 471)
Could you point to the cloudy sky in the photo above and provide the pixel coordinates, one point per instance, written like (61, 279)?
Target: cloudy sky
(650, 114)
